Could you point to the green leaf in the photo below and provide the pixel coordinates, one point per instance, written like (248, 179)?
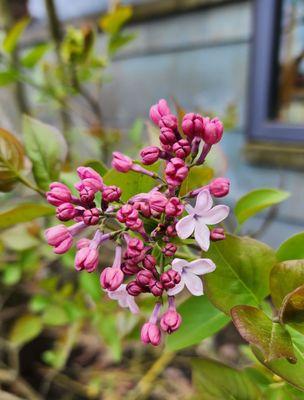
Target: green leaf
(256, 201)
(242, 272)
(135, 133)
(39, 303)
(7, 77)
(98, 166)
(24, 213)
(11, 274)
(198, 176)
(131, 183)
(271, 338)
(292, 373)
(119, 40)
(11, 160)
(284, 278)
(200, 320)
(292, 311)
(12, 37)
(107, 328)
(292, 248)
(18, 238)
(112, 22)
(46, 148)
(34, 55)
(55, 316)
(216, 381)
(89, 283)
(25, 329)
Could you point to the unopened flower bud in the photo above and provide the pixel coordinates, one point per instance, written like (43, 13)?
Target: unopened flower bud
(111, 193)
(213, 131)
(86, 258)
(121, 162)
(168, 121)
(219, 187)
(159, 110)
(126, 212)
(176, 171)
(217, 234)
(144, 277)
(135, 247)
(84, 242)
(86, 193)
(91, 216)
(149, 262)
(181, 148)
(174, 207)
(170, 321)
(60, 238)
(150, 333)
(111, 278)
(134, 289)
(157, 203)
(169, 250)
(167, 137)
(171, 231)
(156, 287)
(170, 278)
(65, 212)
(129, 268)
(58, 194)
(149, 155)
(193, 125)
(89, 176)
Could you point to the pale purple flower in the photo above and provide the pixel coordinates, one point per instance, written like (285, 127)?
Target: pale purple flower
(189, 272)
(124, 299)
(199, 217)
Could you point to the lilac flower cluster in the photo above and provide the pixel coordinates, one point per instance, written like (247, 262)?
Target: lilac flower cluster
(149, 227)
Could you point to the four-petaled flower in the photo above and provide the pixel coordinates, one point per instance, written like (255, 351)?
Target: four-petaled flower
(199, 217)
(124, 299)
(189, 272)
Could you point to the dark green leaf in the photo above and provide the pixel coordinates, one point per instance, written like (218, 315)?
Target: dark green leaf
(242, 272)
(24, 213)
(292, 249)
(46, 148)
(198, 176)
(200, 320)
(216, 381)
(256, 201)
(98, 166)
(271, 338)
(284, 278)
(25, 329)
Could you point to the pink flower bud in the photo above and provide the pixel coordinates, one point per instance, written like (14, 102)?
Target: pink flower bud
(174, 207)
(84, 242)
(217, 234)
(168, 121)
(170, 321)
(171, 231)
(144, 277)
(150, 333)
(213, 131)
(134, 289)
(159, 110)
(91, 177)
(111, 278)
(126, 212)
(121, 162)
(60, 238)
(91, 216)
(170, 278)
(58, 194)
(219, 187)
(169, 250)
(111, 193)
(181, 148)
(65, 212)
(176, 171)
(130, 269)
(86, 192)
(149, 262)
(149, 155)
(135, 247)
(193, 125)
(86, 258)
(157, 203)
(156, 287)
(167, 137)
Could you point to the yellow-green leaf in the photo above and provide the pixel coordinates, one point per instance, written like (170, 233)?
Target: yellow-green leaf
(112, 22)
(24, 213)
(11, 39)
(25, 329)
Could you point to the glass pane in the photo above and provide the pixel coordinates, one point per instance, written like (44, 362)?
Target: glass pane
(290, 95)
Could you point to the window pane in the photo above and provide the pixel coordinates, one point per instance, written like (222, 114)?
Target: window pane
(290, 93)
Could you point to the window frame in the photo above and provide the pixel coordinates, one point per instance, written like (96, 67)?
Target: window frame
(260, 126)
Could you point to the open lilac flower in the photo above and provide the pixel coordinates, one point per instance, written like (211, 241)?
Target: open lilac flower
(199, 217)
(189, 272)
(124, 299)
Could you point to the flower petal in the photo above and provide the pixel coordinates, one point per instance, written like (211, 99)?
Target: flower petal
(133, 307)
(202, 235)
(215, 215)
(203, 202)
(189, 209)
(185, 227)
(193, 283)
(177, 288)
(178, 264)
(201, 266)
